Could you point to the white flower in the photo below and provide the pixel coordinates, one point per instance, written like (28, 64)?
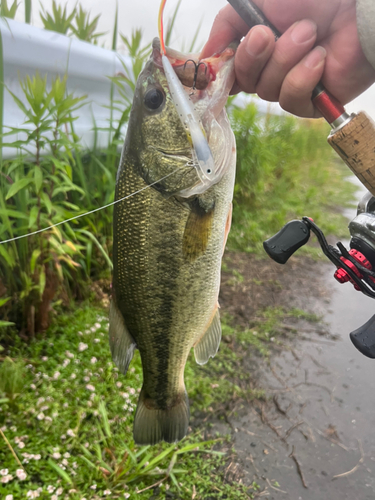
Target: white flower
(75, 465)
(63, 436)
(9, 497)
(33, 387)
(45, 358)
(86, 379)
(125, 395)
(93, 487)
(6, 479)
(56, 375)
(4, 472)
(50, 488)
(59, 491)
(73, 376)
(90, 387)
(70, 433)
(106, 492)
(126, 495)
(21, 445)
(69, 355)
(97, 325)
(65, 405)
(48, 419)
(54, 497)
(96, 341)
(40, 401)
(66, 455)
(40, 416)
(37, 457)
(93, 360)
(56, 455)
(118, 384)
(82, 346)
(66, 362)
(32, 494)
(131, 390)
(65, 462)
(21, 474)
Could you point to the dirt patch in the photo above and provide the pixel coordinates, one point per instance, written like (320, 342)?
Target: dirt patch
(250, 284)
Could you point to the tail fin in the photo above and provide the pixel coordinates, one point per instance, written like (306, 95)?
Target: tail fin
(152, 424)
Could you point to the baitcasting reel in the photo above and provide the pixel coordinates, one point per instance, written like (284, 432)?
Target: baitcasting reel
(356, 266)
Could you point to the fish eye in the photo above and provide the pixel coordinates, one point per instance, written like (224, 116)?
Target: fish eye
(154, 98)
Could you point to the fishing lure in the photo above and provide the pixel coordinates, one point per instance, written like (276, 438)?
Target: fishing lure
(207, 172)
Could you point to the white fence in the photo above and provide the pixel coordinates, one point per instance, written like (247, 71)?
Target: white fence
(27, 49)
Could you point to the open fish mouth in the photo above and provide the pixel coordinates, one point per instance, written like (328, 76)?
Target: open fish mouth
(208, 82)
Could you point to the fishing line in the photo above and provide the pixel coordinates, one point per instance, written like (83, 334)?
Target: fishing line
(90, 212)
(161, 26)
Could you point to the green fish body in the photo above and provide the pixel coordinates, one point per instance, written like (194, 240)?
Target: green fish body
(167, 248)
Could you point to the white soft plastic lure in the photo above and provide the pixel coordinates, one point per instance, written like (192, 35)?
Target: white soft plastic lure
(209, 174)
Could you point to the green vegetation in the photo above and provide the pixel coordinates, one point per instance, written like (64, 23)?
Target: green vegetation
(67, 415)
(285, 170)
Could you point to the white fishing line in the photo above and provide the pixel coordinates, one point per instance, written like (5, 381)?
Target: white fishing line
(87, 213)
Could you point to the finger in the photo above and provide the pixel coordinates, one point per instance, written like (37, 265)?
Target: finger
(252, 55)
(228, 26)
(291, 47)
(296, 90)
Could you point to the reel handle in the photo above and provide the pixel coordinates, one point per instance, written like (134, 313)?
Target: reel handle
(364, 338)
(288, 240)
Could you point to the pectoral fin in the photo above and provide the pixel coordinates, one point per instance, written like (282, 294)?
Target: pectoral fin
(197, 232)
(121, 342)
(208, 345)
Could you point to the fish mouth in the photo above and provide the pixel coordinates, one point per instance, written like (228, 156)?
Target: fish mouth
(192, 71)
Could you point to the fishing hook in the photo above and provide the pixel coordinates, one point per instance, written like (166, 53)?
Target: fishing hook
(196, 66)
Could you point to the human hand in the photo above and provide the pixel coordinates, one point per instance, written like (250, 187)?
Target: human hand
(319, 42)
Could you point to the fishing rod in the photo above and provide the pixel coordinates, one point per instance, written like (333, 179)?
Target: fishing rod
(353, 139)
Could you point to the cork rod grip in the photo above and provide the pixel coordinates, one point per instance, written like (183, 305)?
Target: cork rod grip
(355, 144)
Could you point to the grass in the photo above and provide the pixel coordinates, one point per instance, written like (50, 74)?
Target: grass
(285, 170)
(67, 415)
(70, 420)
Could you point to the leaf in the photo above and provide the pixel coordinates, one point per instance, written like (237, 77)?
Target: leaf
(34, 258)
(47, 202)
(4, 301)
(5, 323)
(59, 471)
(42, 282)
(33, 216)
(38, 177)
(17, 186)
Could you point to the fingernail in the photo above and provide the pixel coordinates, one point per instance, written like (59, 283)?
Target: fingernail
(315, 58)
(303, 31)
(257, 42)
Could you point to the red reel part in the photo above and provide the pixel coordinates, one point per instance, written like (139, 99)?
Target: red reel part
(343, 277)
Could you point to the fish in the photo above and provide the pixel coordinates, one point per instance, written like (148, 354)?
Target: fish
(168, 241)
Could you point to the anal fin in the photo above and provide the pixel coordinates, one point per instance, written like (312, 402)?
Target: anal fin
(121, 342)
(208, 345)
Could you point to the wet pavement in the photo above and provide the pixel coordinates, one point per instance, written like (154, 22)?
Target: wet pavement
(314, 437)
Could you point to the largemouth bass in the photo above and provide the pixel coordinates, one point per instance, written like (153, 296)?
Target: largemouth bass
(168, 245)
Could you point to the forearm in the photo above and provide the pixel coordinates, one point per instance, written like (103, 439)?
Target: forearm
(366, 28)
